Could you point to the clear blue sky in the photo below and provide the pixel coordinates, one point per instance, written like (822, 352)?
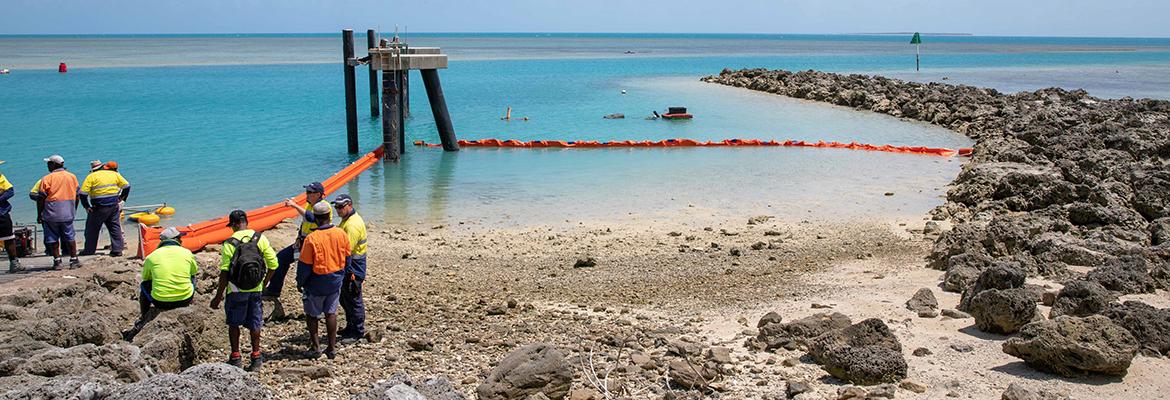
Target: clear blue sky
(986, 17)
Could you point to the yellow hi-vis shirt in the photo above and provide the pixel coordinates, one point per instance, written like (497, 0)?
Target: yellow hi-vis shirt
(355, 228)
(226, 253)
(104, 184)
(4, 184)
(170, 269)
(308, 227)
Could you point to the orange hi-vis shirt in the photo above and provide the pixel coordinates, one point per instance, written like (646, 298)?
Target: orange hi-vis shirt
(326, 250)
(59, 191)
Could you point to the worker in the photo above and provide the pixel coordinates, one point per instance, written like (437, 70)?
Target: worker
(168, 279)
(355, 271)
(56, 197)
(320, 273)
(314, 194)
(103, 193)
(6, 227)
(241, 261)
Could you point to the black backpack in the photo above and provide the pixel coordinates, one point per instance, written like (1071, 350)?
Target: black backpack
(246, 268)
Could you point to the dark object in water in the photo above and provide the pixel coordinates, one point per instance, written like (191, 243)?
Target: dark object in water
(615, 116)
(677, 113)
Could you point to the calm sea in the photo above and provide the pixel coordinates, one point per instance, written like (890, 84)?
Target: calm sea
(208, 123)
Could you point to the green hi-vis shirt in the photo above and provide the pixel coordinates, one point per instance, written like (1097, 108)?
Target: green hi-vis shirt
(170, 269)
(244, 236)
(355, 228)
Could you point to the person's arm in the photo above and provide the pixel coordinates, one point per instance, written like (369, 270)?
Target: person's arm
(125, 186)
(304, 267)
(225, 258)
(270, 260)
(37, 195)
(293, 204)
(7, 194)
(85, 202)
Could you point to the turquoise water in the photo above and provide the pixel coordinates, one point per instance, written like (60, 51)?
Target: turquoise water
(210, 123)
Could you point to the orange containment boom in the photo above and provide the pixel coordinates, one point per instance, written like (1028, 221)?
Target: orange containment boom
(216, 231)
(589, 144)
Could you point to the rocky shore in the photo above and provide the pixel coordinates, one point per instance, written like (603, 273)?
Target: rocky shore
(1062, 185)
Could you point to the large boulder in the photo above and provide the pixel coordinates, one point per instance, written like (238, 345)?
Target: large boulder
(798, 333)
(119, 361)
(1003, 311)
(866, 353)
(203, 381)
(1018, 391)
(24, 387)
(691, 376)
(1149, 325)
(1073, 346)
(1001, 276)
(532, 369)
(1081, 299)
(176, 339)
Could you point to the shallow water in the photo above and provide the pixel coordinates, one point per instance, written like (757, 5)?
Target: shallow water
(256, 124)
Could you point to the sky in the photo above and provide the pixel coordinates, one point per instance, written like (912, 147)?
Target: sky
(1129, 18)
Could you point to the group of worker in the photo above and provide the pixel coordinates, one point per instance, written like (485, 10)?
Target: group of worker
(330, 269)
(57, 196)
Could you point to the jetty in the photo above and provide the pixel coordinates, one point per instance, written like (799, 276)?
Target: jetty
(394, 59)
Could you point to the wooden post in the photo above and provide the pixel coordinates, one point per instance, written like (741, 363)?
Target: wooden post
(347, 59)
(406, 93)
(439, 109)
(917, 57)
(400, 82)
(391, 139)
(372, 42)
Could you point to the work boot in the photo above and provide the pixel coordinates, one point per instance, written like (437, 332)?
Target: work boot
(57, 263)
(254, 366)
(14, 266)
(115, 254)
(236, 361)
(74, 263)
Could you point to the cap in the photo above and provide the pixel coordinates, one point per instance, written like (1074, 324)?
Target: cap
(321, 208)
(237, 216)
(342, 200)
(111, 165)
(315, 187)
(95, 165)
(55, 158)
(170, 233)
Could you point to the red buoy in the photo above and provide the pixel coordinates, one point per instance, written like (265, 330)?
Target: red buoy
(62, 68)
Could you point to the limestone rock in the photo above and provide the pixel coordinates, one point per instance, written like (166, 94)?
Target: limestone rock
(866, 353)
(799, 332)
(1072, 346)
(210, 381)
(1002, 311)
(1017, 391)
(535, 368)
(922, 301)
(1001, 277)
(1149, 325)
(1081, 299)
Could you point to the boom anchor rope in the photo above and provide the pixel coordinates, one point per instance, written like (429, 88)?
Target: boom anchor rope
(934, 151)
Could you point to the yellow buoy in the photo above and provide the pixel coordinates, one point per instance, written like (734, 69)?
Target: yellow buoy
(148, 219)
(165, 210)
(137, 215)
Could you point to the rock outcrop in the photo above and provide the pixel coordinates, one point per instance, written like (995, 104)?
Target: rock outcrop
(797, 333)
(1149, 325)
(1081, 299)
(1057, 177)
(209, 381)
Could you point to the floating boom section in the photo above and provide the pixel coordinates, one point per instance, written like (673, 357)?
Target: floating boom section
(944, 152)
(216, 231)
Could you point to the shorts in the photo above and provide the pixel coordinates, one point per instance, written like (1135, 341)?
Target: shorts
(58, 231)
(244, 309)
(6, 227)
(318, 306)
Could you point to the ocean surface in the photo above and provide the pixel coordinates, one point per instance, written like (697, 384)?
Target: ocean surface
(208, 123)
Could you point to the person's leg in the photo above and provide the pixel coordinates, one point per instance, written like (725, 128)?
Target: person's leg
(93, 229)
(359, 311)
(113, 222)
(284, 260)
(331, 330)
(314, 339)
(52, 242)
(234, 312)
(347, 305)
(234, 339)
(68, 244)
